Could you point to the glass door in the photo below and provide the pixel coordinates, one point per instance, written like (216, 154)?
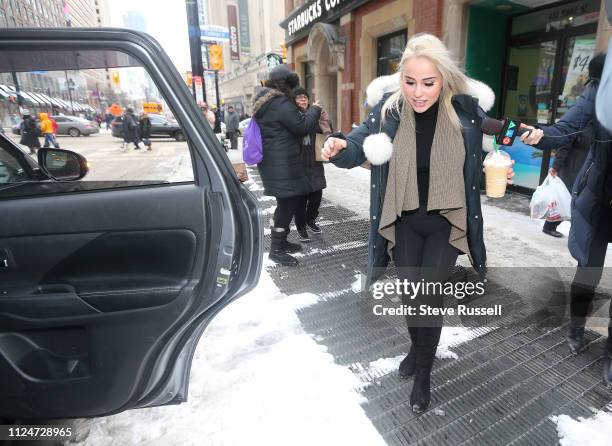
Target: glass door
(529, 81)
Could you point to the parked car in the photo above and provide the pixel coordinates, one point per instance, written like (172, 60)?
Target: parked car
(107, 287)
(68, 125)
(160, 127)
(74, 126)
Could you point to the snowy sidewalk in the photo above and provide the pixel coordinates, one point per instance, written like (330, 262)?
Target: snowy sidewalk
(302, 359)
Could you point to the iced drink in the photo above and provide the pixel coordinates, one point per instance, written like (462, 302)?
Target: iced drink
(496, 166)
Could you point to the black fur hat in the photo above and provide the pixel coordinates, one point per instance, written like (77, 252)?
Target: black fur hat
(283, 73)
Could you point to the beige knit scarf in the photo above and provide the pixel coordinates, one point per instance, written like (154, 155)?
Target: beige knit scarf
(446, 182)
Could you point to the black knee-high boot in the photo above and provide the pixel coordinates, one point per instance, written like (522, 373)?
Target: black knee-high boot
(607, 360)
(427, 344)
(408, 364)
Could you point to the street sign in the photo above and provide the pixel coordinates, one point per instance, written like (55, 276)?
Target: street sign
(152, 107)
(115, 110)
(214, 33)
(215, 54)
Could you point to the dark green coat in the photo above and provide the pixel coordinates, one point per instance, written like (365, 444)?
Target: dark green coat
(471, 116)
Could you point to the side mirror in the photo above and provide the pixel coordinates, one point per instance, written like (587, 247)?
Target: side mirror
(62, 165)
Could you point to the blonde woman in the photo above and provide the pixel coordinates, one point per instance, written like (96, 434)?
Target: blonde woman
(424, 142)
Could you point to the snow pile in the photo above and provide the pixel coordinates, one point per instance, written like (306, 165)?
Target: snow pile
(595, 431)
(256, 378)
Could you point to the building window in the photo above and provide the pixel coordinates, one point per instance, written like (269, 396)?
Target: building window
(390, 49)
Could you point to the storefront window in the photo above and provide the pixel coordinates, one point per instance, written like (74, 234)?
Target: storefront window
(568, 15)
(390, 49)
(575, 71)
(529, 80)
(528, 98)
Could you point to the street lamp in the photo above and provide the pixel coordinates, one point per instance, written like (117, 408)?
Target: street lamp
(70, 87)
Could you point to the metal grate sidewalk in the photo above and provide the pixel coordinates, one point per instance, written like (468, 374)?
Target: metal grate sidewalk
(502, 389)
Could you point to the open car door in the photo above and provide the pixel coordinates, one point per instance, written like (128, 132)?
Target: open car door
(107, 283)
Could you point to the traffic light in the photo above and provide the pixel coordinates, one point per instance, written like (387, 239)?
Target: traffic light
(189, 78)
(283, 48)
(116, 79)
(215, 53)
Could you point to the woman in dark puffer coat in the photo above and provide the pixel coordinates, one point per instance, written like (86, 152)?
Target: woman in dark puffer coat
(591, 229)
(282, 168)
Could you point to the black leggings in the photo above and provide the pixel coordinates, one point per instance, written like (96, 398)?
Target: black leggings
(309, 208)
(422, 251)
(285, 211)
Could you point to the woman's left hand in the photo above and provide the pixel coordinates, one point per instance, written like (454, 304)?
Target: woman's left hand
(510, 173)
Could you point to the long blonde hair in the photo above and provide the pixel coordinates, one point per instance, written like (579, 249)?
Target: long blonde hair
(454, 81)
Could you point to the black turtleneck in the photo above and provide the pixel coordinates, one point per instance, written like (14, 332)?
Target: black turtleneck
(425, 128)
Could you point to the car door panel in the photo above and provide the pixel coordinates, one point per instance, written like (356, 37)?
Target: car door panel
(107, 292)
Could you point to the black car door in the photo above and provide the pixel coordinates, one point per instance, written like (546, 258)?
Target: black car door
(106, 284)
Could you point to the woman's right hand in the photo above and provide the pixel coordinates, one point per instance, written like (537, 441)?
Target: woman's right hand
(332, 147)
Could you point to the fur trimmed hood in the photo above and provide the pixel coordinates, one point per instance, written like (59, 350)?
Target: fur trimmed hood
(378, 148)
(263, 97)
(388, 84)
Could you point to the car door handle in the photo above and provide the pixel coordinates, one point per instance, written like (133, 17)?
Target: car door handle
(4, 259)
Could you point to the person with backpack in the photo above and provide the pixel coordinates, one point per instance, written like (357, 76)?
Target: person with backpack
(282, 127)
(308, 210)
(29, 132)
(46, 129)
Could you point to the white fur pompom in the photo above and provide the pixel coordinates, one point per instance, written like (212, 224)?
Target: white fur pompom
(486, 97)
(378, 148)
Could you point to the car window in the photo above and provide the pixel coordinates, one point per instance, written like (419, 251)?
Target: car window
(11, 170)
(101, 107)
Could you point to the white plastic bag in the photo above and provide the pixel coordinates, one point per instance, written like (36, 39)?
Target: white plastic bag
(551, 201)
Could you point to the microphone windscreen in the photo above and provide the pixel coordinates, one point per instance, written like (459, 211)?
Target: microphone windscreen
(491, 126)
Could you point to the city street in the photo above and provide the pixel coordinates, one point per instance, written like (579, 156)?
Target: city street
(168, 161)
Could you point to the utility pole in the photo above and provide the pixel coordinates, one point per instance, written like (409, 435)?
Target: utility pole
(193, 26)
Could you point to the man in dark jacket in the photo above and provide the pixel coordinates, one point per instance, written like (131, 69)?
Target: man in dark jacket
(145, 130)
(308, 210)
(130, 129)
(232, 123)
(591, 231)
(29, 132)
(282, 167)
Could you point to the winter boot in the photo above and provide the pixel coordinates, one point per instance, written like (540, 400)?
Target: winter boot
(607, 361)
(421, 388)
(575, 339)
(292, 247)
(303, 234)
(315, 228)
(408, 364)
(278, 250)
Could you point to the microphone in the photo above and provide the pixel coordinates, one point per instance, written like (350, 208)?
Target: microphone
(505, 131)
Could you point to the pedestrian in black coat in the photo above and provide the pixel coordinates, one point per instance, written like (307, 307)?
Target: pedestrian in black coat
(424, 143)
(591, 228)
(130, 129)
(29, 133)
(282, 172)
(145, 130)
(308, 210)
